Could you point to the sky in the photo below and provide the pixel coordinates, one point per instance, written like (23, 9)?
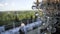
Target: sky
(12, 5)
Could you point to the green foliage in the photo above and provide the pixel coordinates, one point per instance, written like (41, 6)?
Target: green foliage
(7, 17)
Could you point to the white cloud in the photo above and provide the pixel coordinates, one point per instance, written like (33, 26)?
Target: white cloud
(1, 5)
(6, 4)
(13, 4)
